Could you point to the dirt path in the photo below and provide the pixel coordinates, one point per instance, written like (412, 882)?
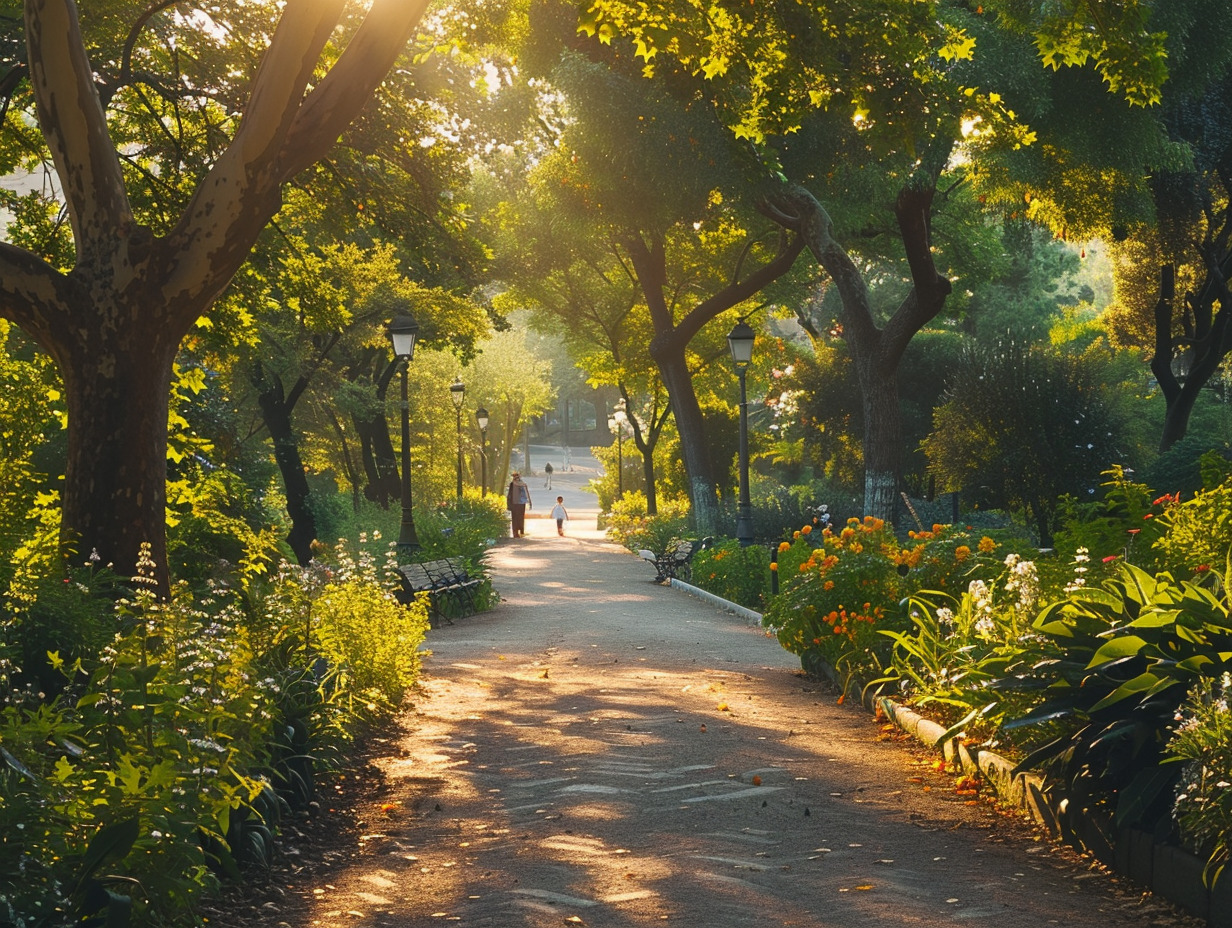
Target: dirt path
(603, 751)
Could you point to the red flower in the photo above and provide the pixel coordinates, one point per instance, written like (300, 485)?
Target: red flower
(1202, 568)
(1133, 531)
(1111, 557)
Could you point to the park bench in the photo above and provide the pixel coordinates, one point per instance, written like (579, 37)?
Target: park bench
(451, 589)
(676, 561)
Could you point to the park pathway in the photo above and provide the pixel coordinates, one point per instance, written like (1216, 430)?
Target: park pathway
(600, 750)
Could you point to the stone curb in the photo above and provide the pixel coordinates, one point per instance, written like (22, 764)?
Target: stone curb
(753, 618)
(1170, 872)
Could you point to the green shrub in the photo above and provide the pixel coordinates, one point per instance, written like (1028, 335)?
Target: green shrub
(1202, 741)
(629, 525)
(736, 573)
(167, 745)
(1110, 666)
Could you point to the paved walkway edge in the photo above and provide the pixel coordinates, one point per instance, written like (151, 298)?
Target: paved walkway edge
(1168, 871)
(753, 618)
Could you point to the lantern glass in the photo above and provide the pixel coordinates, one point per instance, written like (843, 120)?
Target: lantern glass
(402, 333)
(740, 341)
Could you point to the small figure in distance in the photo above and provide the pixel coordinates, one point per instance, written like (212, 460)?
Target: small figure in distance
(560, 514)
(547, 473)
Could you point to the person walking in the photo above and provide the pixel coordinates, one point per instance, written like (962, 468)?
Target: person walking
(547, 473)
(560, 514)
(517, 498)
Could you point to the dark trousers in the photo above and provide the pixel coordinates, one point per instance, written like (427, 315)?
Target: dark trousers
(518, 519)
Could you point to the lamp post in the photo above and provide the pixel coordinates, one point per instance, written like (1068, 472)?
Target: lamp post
(618, 423)
(457, 392)
(402, 332)
(740, 341)
(481, 417)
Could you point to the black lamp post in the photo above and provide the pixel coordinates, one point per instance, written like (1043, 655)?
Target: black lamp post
(457, 392)
(740, 341)
(402, 332)
(481, 417)
(618, 423)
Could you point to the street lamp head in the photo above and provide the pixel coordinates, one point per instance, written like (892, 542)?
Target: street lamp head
(402, 333)
(457, 391)
(481, 416)
(740, 341)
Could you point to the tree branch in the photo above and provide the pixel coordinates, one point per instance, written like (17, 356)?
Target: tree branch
(332, 104)
(72, 119)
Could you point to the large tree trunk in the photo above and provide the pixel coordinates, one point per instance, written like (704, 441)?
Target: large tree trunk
(114, 502)
(1207, 340)
(882, 440)
(703, 496)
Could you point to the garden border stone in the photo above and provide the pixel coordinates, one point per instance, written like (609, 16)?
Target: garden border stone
(1169, 871)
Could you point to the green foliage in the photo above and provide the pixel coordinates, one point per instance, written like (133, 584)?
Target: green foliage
(737, 573)
(1123, 521)
(1202, 741)
(1044, 411)
(368, 639)
(183, 721)
(1197, 533)
(629, 525)
(1112, 665)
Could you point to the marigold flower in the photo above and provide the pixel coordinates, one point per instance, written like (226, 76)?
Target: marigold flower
(774, 566)
(795, 534)
(828, 585)
(784, 545)
(987, 545)
(804, 530)
(961, 553)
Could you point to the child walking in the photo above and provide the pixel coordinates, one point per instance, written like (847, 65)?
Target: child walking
(559, 513)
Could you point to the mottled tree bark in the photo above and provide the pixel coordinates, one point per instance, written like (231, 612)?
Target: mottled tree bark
(114, 322)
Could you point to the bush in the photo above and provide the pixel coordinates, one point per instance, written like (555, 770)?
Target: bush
(167, 745)
(629, 525)
(736, 573)
(1202, 739)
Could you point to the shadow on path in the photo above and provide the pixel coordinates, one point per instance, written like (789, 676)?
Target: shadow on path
(600, 750)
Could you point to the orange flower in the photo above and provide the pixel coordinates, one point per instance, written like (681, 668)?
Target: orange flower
(784, 545)
(828, 585)
(804, 530)
(774, 566)
(961, 553)
(987, 545)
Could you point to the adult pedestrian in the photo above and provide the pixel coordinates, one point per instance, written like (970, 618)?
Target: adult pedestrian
(547, 473)
(517, 498)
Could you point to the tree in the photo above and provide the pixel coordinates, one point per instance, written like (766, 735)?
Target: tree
(114, 320)
(861, 104)
(656, 179)
(1154, 181)
(1020, 426)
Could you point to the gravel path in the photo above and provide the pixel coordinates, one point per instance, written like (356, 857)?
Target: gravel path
(600, 750)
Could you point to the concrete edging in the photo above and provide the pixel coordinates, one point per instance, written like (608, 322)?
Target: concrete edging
(753, 618)
(1170, 872)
